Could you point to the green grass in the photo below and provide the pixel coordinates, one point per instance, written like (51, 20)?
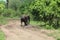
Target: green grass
(2, 36)
(41, 24)
(34, 23)
(55, 34)
(3, 20)
(37, 23)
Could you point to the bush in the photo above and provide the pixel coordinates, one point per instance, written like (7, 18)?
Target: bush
(9, 13)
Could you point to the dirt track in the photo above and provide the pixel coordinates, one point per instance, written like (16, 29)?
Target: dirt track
(13, 31)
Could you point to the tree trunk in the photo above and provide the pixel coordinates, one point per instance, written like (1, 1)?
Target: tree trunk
(7, 3)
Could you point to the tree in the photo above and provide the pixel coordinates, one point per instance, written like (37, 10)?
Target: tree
(49, 11)
(7, 2)
(1, 8)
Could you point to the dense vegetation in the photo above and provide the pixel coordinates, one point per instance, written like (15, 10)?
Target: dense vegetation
(45, 11)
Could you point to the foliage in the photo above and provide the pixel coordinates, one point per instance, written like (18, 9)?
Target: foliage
(8, 13)
(1, 8)
(11, 13)
(47, 11)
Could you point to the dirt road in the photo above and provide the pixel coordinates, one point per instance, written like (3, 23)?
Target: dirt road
(13, 31)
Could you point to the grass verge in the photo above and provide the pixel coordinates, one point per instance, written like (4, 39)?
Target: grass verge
(3, 20)
(55, 34)
(2, 36)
